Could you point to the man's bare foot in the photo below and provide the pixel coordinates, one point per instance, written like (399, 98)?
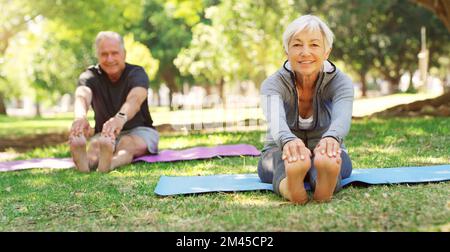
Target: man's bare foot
(106, 153)
(328, 170)
(292, 187)
(93, 163)
(78, 150)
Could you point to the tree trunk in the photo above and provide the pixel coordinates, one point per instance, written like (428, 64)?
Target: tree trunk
(208, 89)
(38, 105)
(393, 84)
(157, 98)
(446, 87)
(362, 77)
(38, 109)
(222, 91)
(411, 88)
(170, 82)
(2, 104)
(440, 7)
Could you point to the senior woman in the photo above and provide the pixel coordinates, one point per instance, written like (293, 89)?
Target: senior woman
(308, 106)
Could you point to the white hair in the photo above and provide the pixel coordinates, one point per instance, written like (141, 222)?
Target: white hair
(108, 35)
(311, 23)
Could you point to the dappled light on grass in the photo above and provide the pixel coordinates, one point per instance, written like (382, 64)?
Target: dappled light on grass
(375, 157)
(382, 150)
(38, 183)
(429, 160)
(256, 200)
(58, 151)
(229, 165)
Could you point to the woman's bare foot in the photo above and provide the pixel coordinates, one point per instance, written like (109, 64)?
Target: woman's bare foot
(328, 170)
(292, 187)
(78, 150)
(106, 153)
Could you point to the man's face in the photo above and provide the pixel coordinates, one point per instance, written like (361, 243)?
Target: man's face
(111, 57)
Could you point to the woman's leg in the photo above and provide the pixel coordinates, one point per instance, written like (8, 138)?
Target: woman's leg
(287, 178)
(327, 173)
(292, 187)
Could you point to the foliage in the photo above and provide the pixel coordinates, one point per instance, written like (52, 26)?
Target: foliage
(139, 54)
(207, 42)
(384, 36)
(165, 28)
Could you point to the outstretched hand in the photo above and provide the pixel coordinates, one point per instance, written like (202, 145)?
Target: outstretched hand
(295, 150)
(328, 146)
(80, 127)
(112, 127)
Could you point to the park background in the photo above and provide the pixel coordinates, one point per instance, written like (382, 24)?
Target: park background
(206, 60)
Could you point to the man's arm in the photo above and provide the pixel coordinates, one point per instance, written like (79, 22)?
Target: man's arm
(132, 105)
(134, 101)
(83, 98)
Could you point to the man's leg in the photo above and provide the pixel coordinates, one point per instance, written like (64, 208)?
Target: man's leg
(128, 147)
(93, 153)
(78, 150)
(106, 149)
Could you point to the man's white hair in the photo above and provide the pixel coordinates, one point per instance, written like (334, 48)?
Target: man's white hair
(108, 35)
(311, 23)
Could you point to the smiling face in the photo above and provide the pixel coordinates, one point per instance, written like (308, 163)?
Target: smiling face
(307, 52)
(111, 57)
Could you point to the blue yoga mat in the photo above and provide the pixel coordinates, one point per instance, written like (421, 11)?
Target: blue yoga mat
(169, 185)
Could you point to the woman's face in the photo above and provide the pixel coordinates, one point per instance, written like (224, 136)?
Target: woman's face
(306, 52)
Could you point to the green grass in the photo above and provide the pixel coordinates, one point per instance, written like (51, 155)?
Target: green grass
(17, 127)
(123, 200)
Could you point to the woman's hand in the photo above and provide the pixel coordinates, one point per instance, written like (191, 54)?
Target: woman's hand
(295, 150)
(328, 146)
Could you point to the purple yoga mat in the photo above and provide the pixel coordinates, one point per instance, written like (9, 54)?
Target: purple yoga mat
(163, 156)
(201, 153)
(55, 163)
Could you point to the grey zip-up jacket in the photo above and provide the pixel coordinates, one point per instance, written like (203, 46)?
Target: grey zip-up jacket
(332, 107)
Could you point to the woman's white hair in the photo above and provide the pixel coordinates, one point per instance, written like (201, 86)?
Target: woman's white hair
(311, 23)
(110, 35)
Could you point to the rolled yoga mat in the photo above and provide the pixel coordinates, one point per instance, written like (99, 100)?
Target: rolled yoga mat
(163, 156)
(168, 185)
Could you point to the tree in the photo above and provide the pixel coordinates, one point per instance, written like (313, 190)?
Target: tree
(53, 73)
(14, 19)
(441, 8)
(239, 41)
(383, 36)
(71, 25)
(208, 57)
(139, 54)
(349, 20)
(166, 29)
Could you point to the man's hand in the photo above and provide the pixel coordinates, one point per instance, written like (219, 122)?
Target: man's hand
(295, 150)
(328, 146)
(80, 126)
(112, 127)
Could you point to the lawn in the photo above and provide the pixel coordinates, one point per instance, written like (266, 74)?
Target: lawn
(123, 200)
